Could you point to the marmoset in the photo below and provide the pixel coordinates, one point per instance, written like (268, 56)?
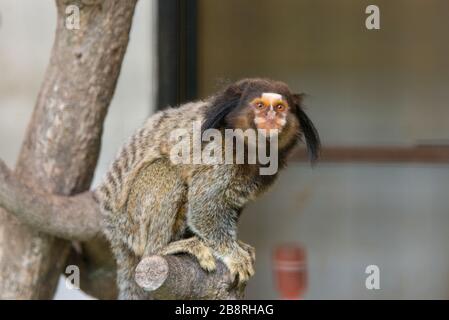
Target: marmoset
(153, 205)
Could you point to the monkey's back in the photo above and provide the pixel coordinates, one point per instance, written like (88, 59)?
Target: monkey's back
(149, 143)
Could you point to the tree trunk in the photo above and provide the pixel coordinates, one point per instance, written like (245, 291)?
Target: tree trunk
(62, 142)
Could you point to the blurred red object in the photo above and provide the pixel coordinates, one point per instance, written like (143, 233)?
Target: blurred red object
(290, 271)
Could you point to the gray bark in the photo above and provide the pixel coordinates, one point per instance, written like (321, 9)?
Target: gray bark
(62, 142)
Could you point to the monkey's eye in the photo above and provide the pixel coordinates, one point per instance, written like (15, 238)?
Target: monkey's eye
(280, 107)
(260, 105)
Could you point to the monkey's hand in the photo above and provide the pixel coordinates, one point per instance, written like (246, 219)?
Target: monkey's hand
(240, 261)
(195, 247)
(250, 249)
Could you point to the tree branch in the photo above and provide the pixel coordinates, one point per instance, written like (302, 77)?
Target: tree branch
(73, 218)
(181, 277)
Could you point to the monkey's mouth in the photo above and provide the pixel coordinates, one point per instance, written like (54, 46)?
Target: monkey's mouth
(269, 125)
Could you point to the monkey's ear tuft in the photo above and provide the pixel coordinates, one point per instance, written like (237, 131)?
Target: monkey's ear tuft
(222, 105)
(215, 116)
(311, 136)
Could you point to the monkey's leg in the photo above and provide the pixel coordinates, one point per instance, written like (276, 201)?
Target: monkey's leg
(146, 226)
(214, 202)
(195, 247)
(163, 197)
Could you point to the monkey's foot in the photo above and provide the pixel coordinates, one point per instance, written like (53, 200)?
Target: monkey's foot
(240, 262)
(195, 247)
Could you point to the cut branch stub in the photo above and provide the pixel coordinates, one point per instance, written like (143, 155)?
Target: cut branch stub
(181, 277)
(152, 272)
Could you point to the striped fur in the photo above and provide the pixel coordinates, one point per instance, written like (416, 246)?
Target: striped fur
(146, 145)
(151, 205)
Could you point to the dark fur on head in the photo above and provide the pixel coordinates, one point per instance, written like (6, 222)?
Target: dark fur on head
(238, 94)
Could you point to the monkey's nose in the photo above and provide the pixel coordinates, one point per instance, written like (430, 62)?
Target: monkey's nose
(271, 115)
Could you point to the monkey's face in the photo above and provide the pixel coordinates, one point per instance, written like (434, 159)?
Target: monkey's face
(264, 104)
(270, 111)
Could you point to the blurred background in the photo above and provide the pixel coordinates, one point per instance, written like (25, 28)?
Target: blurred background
(379, 99)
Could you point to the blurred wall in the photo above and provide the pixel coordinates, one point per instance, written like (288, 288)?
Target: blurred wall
(350, 216)
(26, 37)
(385, 87)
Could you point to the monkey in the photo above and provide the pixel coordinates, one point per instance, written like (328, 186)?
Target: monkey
(151, 205)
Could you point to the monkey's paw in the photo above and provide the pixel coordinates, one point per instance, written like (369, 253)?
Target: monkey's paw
(248, 248)
(195, 247)
(240, 263)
